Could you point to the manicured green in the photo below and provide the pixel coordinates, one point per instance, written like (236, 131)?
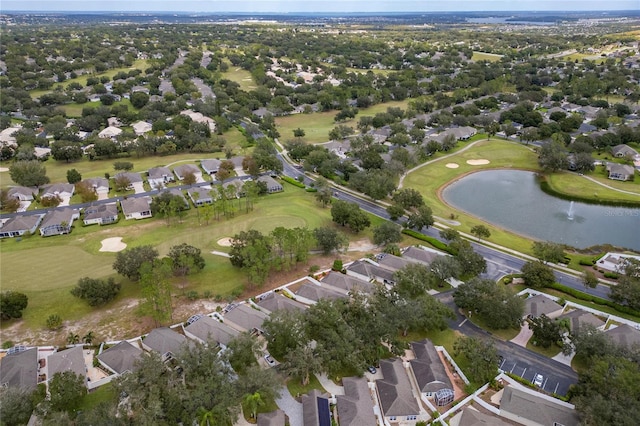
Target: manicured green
(103, 393)
(549, 352)
(579, 188)
(484, 56)
(294, 385)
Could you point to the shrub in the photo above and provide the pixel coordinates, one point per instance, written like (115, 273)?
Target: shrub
(433, 241)
(293, 182)
(192, 295)
(585, 262)
(54, 322)
(337, 265)
(96, 292)
(611, 275)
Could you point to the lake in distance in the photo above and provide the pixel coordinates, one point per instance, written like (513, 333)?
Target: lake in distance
(512, 199)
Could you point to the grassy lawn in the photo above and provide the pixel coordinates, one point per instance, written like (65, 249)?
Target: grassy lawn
(483, 56)
(549, 352)
(318, 125)
(294, 385)
(430, 179)
(62, 260)
(504, 334)
(240, 76)
(269, 405)
(602, 308)
(103, 393)
(572, 184)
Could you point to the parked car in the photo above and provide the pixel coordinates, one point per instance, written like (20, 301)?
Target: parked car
(270, 360)
(371, 369)
(537, 380)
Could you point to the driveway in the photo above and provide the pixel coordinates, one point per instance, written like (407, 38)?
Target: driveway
(329, 385)
(138, 187)
(523, 337)
(291, 407)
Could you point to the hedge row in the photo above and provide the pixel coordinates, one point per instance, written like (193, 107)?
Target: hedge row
(595, 299)
(546, 188)
(293, 182)
(433, 241)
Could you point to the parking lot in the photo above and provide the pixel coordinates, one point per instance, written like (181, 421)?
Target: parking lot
(522, 369)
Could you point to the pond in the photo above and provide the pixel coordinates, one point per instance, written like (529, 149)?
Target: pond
(512, 199)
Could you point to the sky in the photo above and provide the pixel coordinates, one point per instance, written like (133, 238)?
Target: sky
(287, 6)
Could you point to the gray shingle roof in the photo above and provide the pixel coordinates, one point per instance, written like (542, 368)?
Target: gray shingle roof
(133, 177)
(428, 368)
(20, 369)
(312, 411)
(160, 173)
(163, 340)
(394, 390)
(67, 360)
(101, 211)
(274, 302)
(135, 205)
(21, 223)
(536, 409)
(348, 283)
(245, 317)
(420, 255)
(207, 328)
(355, 407)
(121, 357)
(315, 292)
(472, 417)
(539, 304)
(579, 318)
(367, 269)
(625, 335)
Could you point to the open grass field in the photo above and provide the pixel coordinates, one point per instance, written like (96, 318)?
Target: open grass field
(318, 125)
(484, 56)
(501, 154)
(570, 183)
(46, 269)
(240, 76)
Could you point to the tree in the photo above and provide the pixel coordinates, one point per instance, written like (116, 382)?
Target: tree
(123, 165)
(480, 231)
(73, 176)
(548, 251)
(482, 357)
(324, 193)
(251, 251)
(242, 352)
(298, 133)
(128, 262)
(413, 280)
(167, 205)
(330, 239)
(186, 259)
(12, 303)
(66, 151)
(553, 156)
(546, 331)
(73, 338)
(395, 211)
(386, 233)
(139, 99)
(471, 263)
(252, 402)
(7, 203)
(408, 198)
(497, 305)
(156, 290)
(589, 279)
(189, 178)
(445, 267)
(96, 291)
(421, 218)
(284, 331)
(537, 274)
(66, 390)
(346, 213)
(16, 404)
(302, 362)
(86, 192)
(122, 183)
(28, 173)
(627, 291)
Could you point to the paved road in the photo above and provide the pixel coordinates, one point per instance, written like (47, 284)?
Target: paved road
(520, 361)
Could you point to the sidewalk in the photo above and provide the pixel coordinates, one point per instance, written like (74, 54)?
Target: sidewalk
(329, 386)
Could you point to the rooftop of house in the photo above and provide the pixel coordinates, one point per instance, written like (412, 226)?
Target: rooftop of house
(315, 409)
(394, 390)
(348, 283)
(56, 217)
(427, 367)
(67, 360)
(100, 211)
(371, 270)
(20, 369)
(355, 407)
(207, 328)
(186, 168)
(624, 335)
(121, 357)
(159, 172)
(275, 301)
(58, 188)
(315, 292)
(246, 317)
(21, 223)
(423, 256)
(539, 304)
(133, 177)
(273, 418)
(164, 340)
(536, 408)
(470, 416)
(578, 318)
(135, 205)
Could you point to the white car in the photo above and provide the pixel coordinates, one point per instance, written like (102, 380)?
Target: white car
(270, 360)
(537, 380)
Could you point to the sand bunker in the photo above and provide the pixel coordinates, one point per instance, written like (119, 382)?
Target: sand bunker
(479, 162)
(3, 169)
(451, 166)
(114, 244)
(224, 242)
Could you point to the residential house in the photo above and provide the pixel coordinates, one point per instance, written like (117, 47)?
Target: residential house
(624, 335)
(164, 341)
(159, 177)
(100, 186)
(134, 179)
(102, 214)
(395, 392)
(532, 408)
(62, 190)
(273, 418)
(20, 225)
(620, 171)
(110, 132)
(207, 329)
(120, 358)
(315, 409)
(198, 117)
(578, 318)
(141, 127)
(68, 360)
(367, 270)
(314, 292)
(200, 196)
(272, 184)
(184, 169)
(244, 317)
(615, 262)
(393, 263)
(459, 133)
(58, 222)
(428, 369)
(136, 208)
(210, 166)
(537, 305)
(274, 302)
(178, 193)
(19, 369)
(237, 184)
(355, 407)
(22, 193)
(472, 416)
(348, 283)
(420, 255)
(623, 150)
